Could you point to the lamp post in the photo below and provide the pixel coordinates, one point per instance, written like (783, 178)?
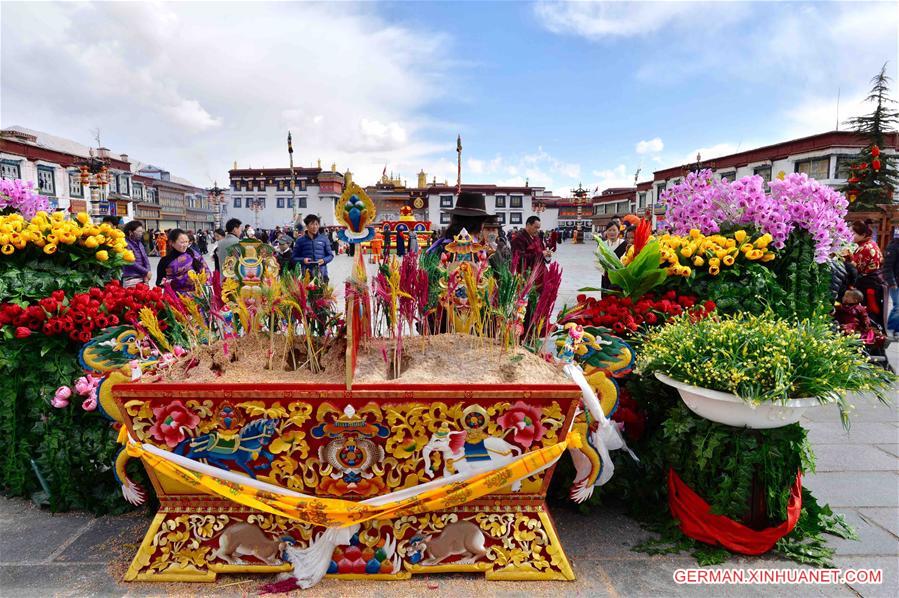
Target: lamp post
(95, 176)
(580, 198)
(293, 179)
(216, 197)
(256, 207)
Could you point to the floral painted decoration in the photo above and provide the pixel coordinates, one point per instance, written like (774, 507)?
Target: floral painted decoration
(525, 421)
(173, 421)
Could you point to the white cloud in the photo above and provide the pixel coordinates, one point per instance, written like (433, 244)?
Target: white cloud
(816, 114)
(538, 168)
(613, 177)
(651, 146)
(598, 20)
(194, 86)
(713, 151)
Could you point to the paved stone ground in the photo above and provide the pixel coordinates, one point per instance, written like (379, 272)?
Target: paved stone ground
(858, 474)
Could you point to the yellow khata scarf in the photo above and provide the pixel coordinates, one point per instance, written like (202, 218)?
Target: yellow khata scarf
(332, 512)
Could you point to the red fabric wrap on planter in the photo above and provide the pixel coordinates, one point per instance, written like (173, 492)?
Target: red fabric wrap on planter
(697, 522)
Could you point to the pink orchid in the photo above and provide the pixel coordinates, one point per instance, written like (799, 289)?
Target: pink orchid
(179, 351)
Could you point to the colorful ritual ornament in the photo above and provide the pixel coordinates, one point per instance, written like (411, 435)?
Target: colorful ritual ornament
(463, 247)
(251, 264)
(355, 211)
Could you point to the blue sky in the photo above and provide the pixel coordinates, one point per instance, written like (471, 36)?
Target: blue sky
(555, 93)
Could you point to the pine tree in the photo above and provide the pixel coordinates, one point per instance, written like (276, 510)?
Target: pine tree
(873, 176)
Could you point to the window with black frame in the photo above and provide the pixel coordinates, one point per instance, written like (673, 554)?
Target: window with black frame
(815, 168)
(10, 169)
(500, 201)
(515, 218)
(515, 201)
(76, 189)
(763, 171)
(446, 201)
(46, 180)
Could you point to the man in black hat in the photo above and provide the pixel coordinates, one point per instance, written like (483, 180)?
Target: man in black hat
(470, 213)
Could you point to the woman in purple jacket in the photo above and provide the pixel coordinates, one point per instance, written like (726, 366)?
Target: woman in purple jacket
(137, 271)
(182, 259)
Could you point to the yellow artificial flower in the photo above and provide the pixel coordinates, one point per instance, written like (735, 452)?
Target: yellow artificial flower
(100, 239)
(57, 216)
(67, 238)
(714, 270)
(730, 244)
(83, 217)
(763, 241)
(746, 248)
(698, 261)
(7, 249)
(728, 260)
(768, 257)
(91, 243)
(128, 255)
(50, 248)
(720, 253)
(687, 251)
(102, 255)
(714, 262)
(685, 271)
(694, 233)
(754, 254)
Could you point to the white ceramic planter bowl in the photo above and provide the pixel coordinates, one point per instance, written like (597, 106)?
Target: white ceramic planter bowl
(726, 408)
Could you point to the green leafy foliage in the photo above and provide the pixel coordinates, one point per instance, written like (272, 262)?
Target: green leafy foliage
(73, 449)
(764, 358)
(805, 283)
(746, 287)
(641, 275)
(27, 283)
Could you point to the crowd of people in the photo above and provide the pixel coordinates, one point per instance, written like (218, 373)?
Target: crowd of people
(864, 282)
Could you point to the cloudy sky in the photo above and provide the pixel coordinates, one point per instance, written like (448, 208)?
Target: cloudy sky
(552, 92)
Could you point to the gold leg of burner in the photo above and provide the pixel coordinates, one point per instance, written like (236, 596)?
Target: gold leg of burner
(143, 567)
(547, 561)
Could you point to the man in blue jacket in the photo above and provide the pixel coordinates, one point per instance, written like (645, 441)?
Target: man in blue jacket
(311, 250)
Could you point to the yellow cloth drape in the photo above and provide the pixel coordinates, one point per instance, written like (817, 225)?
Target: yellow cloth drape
(332, 512)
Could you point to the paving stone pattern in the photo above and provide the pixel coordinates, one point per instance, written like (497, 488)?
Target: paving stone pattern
(73, 554)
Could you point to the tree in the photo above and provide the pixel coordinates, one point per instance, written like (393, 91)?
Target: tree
(873, 176)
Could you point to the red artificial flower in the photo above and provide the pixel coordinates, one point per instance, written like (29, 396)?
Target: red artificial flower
(641, 235)
(49, 304)
(875, 164)
(525, 420)
(875, 151)
(59, 295)
(709, 305)
(23, 332)
(651, 318)
(173, 420)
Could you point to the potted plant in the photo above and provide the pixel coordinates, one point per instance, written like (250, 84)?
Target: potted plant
(759, 371)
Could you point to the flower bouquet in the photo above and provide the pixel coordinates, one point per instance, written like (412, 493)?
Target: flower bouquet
(752, 361)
